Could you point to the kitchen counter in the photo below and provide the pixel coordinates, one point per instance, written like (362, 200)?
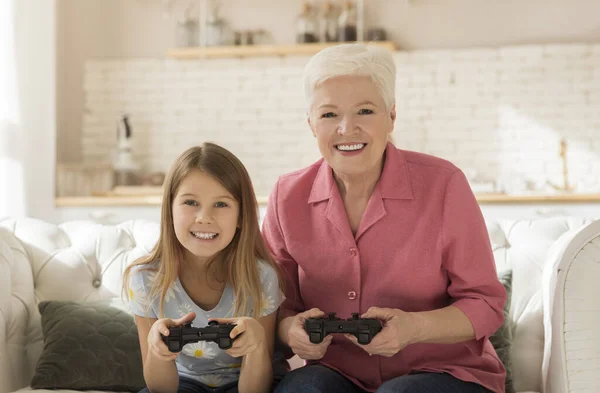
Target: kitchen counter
(155, 200)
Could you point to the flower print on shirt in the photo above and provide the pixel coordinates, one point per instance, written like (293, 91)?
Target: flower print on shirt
(272, 296)
(211, 380)
(199, 350)
(231, 311)
(267, 304)
(185, 308)
(154, 276)
(222, 365)
(137, 296)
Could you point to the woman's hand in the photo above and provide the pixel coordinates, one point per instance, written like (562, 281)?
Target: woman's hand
(252, 339)
(156, 345)
(298, 339)
(399, 330)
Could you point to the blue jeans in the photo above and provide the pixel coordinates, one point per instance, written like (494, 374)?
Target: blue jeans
(187, 385)
(320, 379)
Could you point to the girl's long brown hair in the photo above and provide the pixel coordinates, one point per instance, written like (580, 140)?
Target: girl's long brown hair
(238, 261)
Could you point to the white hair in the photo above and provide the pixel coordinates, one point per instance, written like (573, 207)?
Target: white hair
(352, 60)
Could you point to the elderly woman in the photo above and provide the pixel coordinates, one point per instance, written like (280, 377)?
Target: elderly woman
(389, 234)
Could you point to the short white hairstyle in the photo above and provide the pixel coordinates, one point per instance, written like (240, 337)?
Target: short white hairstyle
(352, 60)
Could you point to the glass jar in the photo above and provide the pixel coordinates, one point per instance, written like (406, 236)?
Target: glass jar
(214, 26)
(187, 33)
(217, 31)
(306, 25)
(329, 23)
(347, 23)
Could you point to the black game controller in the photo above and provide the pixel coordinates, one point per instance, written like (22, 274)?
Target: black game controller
(181, 335)
(363, 329)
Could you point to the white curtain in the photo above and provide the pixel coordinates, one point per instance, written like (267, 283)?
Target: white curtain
(12, 194)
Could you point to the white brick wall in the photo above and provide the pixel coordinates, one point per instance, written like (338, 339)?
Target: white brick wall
(499, 111)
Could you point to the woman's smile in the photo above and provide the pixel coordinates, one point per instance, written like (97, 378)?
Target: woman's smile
(350, 149)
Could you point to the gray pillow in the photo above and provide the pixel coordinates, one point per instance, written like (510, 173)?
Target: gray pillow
(88, 347)
(502, 339)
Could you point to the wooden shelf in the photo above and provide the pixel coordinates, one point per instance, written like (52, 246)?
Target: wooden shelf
(536, 198)
(258, 50)
(152, 199)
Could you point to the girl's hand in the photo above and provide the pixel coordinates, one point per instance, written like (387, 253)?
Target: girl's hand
(156, 345)
(253, 336)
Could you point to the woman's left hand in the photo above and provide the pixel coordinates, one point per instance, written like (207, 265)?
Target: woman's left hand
(253, 336)
(398, 331)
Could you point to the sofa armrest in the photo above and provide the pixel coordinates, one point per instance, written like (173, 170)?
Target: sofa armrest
(16, 298)
(571, 308)
(5, 295)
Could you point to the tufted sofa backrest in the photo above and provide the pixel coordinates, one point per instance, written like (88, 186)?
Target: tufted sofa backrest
(522, 246)
(84, 261)
(78, 261)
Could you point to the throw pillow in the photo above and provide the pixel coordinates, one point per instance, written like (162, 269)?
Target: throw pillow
(502, 339)
(88, 347)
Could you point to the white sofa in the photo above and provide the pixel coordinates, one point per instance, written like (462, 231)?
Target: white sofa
(552, 270)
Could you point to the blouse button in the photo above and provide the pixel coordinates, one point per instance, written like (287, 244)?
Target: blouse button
(353, 251)
(351, 295)
(96, 283)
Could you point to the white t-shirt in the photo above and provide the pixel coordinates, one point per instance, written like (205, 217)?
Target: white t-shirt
(203, 361)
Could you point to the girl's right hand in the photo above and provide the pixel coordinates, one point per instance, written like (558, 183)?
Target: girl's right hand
(298, 339)
(156, 345)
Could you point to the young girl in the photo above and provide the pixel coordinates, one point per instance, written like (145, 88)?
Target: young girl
(210, 263)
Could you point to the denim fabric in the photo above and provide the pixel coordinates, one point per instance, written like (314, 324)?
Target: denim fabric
(187, 385)
(320, 379)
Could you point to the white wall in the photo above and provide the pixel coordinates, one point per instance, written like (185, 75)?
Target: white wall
(36, 74)
(501, 112)
(91, 29)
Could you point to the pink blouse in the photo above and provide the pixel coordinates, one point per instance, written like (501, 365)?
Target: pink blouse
(422, 244)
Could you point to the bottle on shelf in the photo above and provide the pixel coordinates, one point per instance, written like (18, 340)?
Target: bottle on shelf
(126, 169)
(329, 23)
(185, 15)
(347, 22)
(306, 25)
(217, 31)
(187, 33)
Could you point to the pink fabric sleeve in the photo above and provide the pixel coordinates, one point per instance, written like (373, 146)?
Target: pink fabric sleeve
(275, 239)
(469, 261)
